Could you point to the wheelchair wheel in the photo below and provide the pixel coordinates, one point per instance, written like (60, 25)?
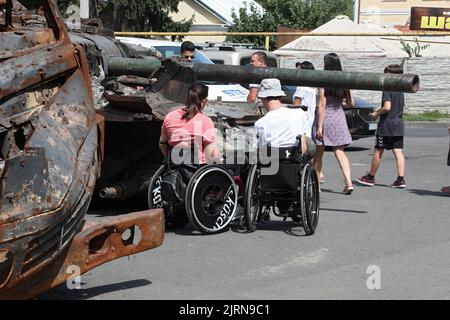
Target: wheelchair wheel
(211, 199)
(175, 215)
(252, 205)
(309, 199)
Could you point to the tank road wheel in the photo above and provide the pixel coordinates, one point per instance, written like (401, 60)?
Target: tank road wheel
(309, 199)
(252, 204)
(175, 215)
(211, 199)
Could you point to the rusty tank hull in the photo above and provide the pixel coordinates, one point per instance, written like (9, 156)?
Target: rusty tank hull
(51, 152)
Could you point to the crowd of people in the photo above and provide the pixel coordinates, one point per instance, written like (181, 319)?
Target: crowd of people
(319, 118)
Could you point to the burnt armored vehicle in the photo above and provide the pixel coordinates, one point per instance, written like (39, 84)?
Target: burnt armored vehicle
(50, 157)
(57, 150)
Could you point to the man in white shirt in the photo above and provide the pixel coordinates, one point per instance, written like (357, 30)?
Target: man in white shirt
(280, 126)
(259, 60)
(306, 96)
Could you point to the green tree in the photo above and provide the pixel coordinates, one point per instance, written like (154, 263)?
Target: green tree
(136, 15)
(413, 51)
(298, 14)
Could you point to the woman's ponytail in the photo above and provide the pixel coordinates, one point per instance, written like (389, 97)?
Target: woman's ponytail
(196, 94)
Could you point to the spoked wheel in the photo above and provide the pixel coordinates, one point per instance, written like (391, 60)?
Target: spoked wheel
(252, 203)
(175, 214)
(211, 199)
(309, 199)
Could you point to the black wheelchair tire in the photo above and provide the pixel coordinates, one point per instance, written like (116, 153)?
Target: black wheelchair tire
(309, 199)
(198, 218)
(178, 219)
(251, 210)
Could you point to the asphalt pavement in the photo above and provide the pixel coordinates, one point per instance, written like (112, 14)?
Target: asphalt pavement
(378, 243)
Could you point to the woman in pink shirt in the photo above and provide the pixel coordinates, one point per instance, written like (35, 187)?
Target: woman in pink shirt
(188, 127)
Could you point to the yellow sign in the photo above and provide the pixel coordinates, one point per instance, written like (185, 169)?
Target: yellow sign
(430, 22)
(425, 18)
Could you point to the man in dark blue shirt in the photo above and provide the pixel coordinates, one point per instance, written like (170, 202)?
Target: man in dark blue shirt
(390, 134)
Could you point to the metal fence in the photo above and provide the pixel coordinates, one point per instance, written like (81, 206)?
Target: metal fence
(267, 35)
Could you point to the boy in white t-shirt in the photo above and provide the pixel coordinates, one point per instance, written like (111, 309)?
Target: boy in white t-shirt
(306, 96)
(280, 126)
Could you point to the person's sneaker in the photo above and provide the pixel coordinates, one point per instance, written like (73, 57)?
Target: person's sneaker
(399, 183)
(366, 180)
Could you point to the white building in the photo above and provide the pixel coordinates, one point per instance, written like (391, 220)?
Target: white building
(210, 15)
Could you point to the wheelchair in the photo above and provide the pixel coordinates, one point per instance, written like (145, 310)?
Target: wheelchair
(292, 192)
(205, 195)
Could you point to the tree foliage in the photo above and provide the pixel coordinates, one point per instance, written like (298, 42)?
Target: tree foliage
(136, 15)
(413, 51)
(297, 14)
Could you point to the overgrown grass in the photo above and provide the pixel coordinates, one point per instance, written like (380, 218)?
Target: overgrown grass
(434, 115)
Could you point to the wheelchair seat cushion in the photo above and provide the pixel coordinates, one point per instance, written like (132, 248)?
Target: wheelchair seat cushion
(286, 178)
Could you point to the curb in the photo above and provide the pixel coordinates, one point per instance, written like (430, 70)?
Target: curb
(427, 124)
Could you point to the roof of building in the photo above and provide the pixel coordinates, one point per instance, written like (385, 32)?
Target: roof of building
(223, 9)
(350, 45)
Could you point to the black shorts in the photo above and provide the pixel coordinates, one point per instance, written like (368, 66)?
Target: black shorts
(388, 143)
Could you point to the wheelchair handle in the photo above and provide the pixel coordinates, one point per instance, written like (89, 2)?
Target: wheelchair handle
(298, 141)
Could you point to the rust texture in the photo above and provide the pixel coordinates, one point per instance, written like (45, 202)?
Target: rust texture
(98, 243)
(51, 148)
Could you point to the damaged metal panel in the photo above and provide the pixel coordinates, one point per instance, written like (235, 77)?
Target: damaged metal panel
(98, 243)
(26, 106)
(13, 41)
(29, 70)
(24, 190)
(92, 52)
(107, 47)
(50, 157)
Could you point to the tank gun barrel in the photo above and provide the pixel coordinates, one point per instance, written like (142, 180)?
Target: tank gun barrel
(296, 77)
(132, 66)
(310, 78)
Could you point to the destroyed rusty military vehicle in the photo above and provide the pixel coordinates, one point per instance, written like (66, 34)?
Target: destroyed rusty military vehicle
(59, 151)
(51, 149)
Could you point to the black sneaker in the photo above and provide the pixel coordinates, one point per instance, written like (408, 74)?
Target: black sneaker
(366, 180)
(399, 183)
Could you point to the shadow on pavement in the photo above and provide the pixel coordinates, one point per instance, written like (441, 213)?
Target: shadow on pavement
(350, 148)
(189, 230)
(420, 192)
(328, 190)
(108, 208)
(63, 293)
(289, 227)
(236, 225)
(335, 192)
(344, 210)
